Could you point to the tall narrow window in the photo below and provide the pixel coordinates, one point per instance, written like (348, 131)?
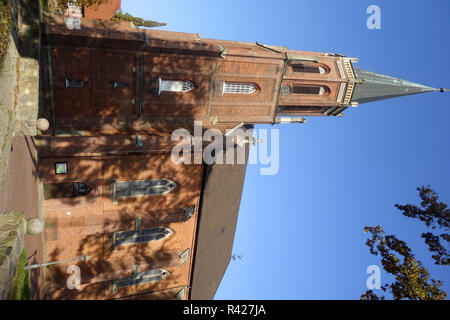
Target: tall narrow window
(72, 83)
(140, 236)
(125, 189)
(116, 84)
(308, 69)
(243, 88)
(140, 278)
(319, 90)
(174, 86)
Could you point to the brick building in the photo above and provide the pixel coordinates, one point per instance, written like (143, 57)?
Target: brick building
(103, 11)
(154, 229)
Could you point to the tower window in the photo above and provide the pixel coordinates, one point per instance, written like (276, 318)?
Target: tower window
(174, 86)
(308, 69)
(319, 90)
(242, 88)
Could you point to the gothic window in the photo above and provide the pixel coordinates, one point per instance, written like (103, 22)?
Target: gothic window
(125, 189)
(66, 190)
(318, 90)
(242, 88)
(81, 189)
(140, 278)
(308, 69)
(174, 86)
(140, 236)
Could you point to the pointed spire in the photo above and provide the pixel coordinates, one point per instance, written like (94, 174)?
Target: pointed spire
(375, 86)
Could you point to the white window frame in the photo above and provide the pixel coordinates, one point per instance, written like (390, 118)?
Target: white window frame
(175, 85)
(238, 88)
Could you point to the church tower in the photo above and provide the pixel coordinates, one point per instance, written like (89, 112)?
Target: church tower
(152, 227)
(112, 78)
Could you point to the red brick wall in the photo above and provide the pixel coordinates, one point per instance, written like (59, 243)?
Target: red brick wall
(105, 51)
(104, 11)
(93, 219)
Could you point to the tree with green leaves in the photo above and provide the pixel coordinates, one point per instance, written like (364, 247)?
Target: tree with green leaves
(436, 216)
(412, 280)
(138, 22)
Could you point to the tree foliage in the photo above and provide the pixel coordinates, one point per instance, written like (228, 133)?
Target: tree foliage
(412, 280)
(5, 29)
(436, 216)
(138, 22)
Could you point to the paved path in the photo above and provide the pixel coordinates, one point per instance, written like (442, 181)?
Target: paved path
(19, 79)
(21, 192)
(19, 99)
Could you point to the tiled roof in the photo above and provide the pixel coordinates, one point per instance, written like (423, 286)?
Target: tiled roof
(219, 208)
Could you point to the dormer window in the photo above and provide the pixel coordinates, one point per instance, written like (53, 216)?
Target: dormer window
(174, 86)
(308, 68)
(240, 88)
(319, 90)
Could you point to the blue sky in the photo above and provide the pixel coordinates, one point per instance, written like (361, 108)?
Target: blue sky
(301, 230)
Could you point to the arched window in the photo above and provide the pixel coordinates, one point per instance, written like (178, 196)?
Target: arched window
(242, 88)
(136, 188)
(140, 278)
(174, 86)
(319, 90)
(298, 67)
(140, 236)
